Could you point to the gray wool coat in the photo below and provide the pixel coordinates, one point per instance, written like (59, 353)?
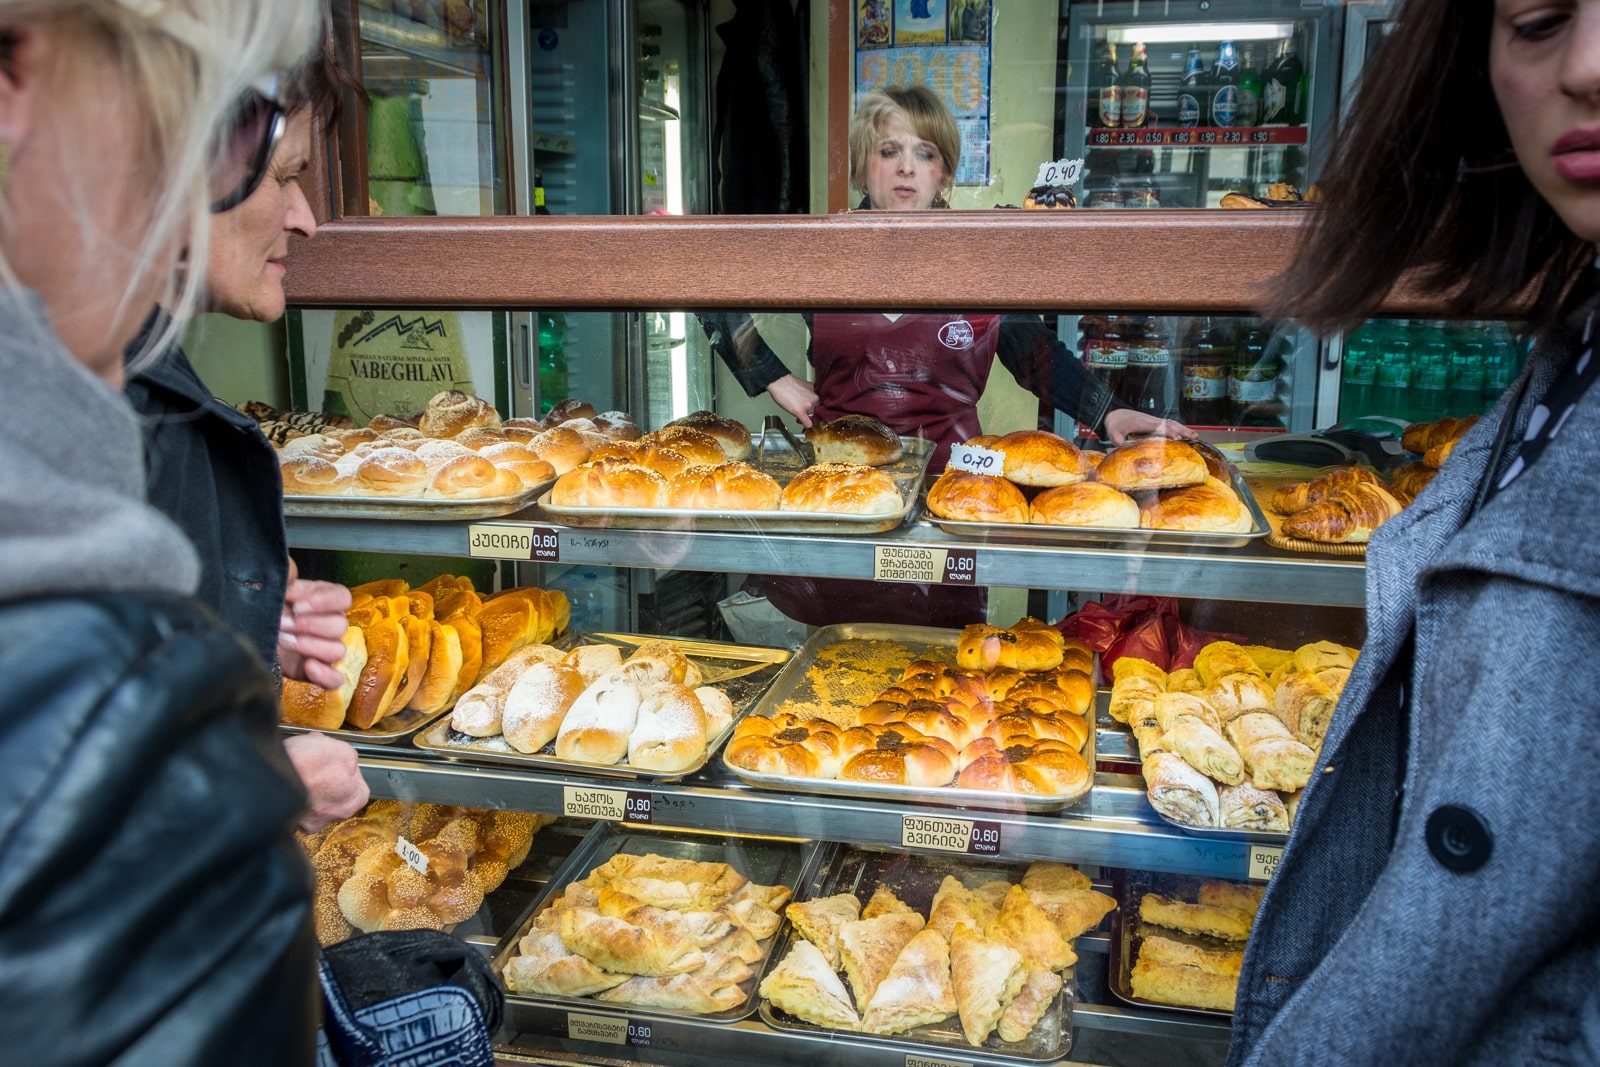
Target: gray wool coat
(1479, 687)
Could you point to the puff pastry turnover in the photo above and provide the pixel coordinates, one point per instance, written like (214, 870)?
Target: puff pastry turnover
(806, 986)
(917, 989)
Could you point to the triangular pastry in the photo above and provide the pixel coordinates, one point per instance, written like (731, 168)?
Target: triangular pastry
(740, 944)
(955, 903)
(884, 902)
(985, 975)
(1046, 876)
(752, 915)
(819, 920)
(917, 989)
(805, 986)
(868, 948)
(1074, 911)
(992, 893)
(1025, 928)
(1030, 1004)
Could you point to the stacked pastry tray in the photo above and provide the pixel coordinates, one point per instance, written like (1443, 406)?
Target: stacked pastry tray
(420, 509)
(1128, 932)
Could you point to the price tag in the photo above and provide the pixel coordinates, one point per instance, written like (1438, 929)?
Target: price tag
(579, 802)
(960, 566)
(979, 838)
(536, 543)
(925, 566)
(1264, 862)
(638, 808)
(913, 1060)
(412, 855)
(1061, 172)
(639, 1034)
(976, 460)
(598, 1028)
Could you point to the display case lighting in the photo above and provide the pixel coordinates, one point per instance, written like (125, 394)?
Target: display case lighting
(1182, 32)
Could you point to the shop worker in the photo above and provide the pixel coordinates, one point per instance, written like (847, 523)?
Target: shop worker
(1437, 902)
(154, 907)
(211, 471)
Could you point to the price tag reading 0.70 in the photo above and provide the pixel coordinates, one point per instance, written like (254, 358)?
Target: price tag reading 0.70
(976, 460)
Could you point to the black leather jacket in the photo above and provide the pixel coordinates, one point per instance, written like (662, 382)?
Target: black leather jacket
(154, 908)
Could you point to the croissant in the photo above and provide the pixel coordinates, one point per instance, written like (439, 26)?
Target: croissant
(1292, 499)
(1347, 516)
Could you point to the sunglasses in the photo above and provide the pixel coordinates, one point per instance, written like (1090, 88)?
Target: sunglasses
(240, 159)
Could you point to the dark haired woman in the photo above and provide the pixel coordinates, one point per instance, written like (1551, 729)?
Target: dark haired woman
(1437, 902)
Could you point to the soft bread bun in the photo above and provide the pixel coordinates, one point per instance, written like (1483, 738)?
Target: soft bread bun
(1038, 458)
(730, 487)
(618, 425)
(1042, 768)
(312, 706)
(382, 423)
(983, 440)
(408, 437)
(731, 435)
(962, 496)
(438, 688)
(700, 449)
(392, 472)
(1086, 504)
(670, 731)
(473, 478)
(1208, 508)
(857, 439)
(665, 461)
(449, 413)
(842, 488)
(388, 651)
(561, 448)
(610, 483)
(520, 460)
(436, 453)
(522, 430)
(353, 436)
(567, 410)
(674, 665)
(1152, 463)
(310, 476)
(480, 437)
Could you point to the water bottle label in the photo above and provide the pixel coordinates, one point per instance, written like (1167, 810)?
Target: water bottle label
(1394, 377)
(1225, 106)
(1188, 110)
(1358, 373)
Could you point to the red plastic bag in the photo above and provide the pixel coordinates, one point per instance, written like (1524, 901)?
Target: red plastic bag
(1145, 627)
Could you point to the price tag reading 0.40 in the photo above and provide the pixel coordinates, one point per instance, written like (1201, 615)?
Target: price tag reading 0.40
(1061, 172)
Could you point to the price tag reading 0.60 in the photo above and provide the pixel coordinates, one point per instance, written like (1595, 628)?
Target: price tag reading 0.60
(985, 839)
(960, 567)
(639, 1034)
(638, 809)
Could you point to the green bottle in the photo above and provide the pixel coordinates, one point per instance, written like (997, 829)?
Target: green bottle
(1249, 113)
(1431, 380)
(1393, 377)
(1468, 367)
(552, 360)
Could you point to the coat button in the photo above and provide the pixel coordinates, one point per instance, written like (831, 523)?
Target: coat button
(1459, 838)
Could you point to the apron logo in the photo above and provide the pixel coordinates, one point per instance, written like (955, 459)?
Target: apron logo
(956, 335)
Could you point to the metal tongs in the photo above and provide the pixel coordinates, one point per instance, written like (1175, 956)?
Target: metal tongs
(801, 448)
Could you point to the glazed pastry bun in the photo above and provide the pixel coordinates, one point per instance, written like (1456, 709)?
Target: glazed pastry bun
(699, 448)
(842, 488)
(962, 496)
(610, 483)
(1152, 463)
(561, 448)
(729, 487)
(1208, 508)
(858, 439)
(1086, 504)
(1040, 459)
(731, 435)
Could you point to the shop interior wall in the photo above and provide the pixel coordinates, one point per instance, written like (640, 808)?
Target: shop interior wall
(240, 361)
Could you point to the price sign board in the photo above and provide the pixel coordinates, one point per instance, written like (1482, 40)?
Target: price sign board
(1264, 862)
(541, 544)
(603, 1029)
(925, 566)
(1061, 172)
(967, 836)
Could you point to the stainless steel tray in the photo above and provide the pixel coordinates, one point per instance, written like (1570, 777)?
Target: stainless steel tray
(741, 671)
(1126, 934)
(763, 860)
(389, 729)
(1141, 538)
(423, 509)
(782, 464)
(794, 691)
(915, 879)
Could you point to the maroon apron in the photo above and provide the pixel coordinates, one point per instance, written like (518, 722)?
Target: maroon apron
(921, 375)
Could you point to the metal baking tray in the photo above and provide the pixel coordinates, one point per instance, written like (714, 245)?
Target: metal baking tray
(782, 464)
(742, 671)
(794, 690)
(763, 860)
(1141, 538)
(423, 509)
(387, 731)
(915, 879)
(1127, 933)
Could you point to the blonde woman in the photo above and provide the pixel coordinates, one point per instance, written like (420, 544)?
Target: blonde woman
(153, 908)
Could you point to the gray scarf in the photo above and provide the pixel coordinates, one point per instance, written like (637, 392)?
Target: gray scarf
(73, 517)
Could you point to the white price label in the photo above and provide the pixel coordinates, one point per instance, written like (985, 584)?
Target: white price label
(412, 855)
(582, 803)
(913, 1060)
(976, 460)
(1061, 172)
(950, 835)
(1264, 862)
(599, 1028)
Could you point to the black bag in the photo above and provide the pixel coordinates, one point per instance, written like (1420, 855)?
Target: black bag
(407, 998)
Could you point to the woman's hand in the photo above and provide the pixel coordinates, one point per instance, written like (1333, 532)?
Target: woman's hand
(1126, 422)
(311, 631)
(796, 397)
(328, 769)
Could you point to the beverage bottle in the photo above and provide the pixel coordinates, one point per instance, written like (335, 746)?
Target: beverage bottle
(1225, 86)
(1430, 379)
(1253, 383)
(1291, 76)
(1136, 90)
(1106, 356)
(1275, 90)
(1359, 372)
(1249, 92)
(538, 194)
(1155, 388)
(1108, 90)
(1206, 364)
(1193, 95)
(1468, 365)
(1501, 363)
(1393, 376)
(552, 360)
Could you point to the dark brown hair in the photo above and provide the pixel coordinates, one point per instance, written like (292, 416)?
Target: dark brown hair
(1424, 179)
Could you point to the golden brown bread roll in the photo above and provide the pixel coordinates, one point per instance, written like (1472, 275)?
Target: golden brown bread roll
(610, 483)
(436, 453)
(1152, 463)
(312, 706)
(732, 436)
(1436, 456)
(1036, 767)
(382, 423)
(567, 410)
(561, 448)
(473, 478)
(665, 461)
(478, 438)
(1086, 504)
(391, 472)
(388, 652)
(842, 488)
(520, 460)
(1040, 459)
(318, 445)
(900, 757)
(730, 487)
(697, 448)
(1290, 499)
(352, 436)
(1408, 481)
(437, 690)
(1420, 437)
(310, 476)
(1030, 645)
(617, 425)
(858, 439)
(404, 437)
(962, 496)
(1208, 508)
(1345, 516)
(452, 412)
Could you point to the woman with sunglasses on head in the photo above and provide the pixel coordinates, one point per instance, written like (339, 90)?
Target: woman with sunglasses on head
(212, 473)
(154, 907)
(1436, 903)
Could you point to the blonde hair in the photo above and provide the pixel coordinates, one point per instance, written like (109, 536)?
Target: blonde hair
(918, 108)
(186, 63)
